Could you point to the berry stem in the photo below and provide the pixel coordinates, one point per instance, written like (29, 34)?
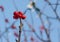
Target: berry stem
(20, 30)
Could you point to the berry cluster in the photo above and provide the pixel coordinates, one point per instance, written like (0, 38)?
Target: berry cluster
(18, 14)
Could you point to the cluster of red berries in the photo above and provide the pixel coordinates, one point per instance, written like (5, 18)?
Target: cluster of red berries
(18, 14)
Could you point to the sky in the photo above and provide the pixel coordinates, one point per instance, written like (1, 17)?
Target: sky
(21, 5)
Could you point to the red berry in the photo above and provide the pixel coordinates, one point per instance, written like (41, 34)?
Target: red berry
(15, 17)
(15, 13)
(16, 34)
(42, 27)
(6, 20)
(23, 17)
(33, 30)
(32, 39)
(13, 27)
(20, 13)
(2, 8)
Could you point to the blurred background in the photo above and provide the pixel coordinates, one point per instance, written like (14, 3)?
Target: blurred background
(42, 22)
